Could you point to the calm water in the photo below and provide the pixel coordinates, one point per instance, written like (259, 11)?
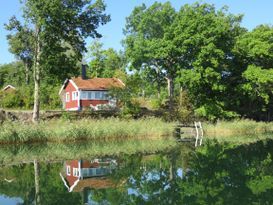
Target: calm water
(212, 174)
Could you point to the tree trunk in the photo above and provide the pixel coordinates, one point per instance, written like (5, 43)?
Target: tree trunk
(171, 172)
(36, 75)
(170, 90)
(27, 73)
(158, 90)
(37, 182)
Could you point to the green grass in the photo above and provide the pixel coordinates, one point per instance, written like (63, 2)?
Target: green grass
(86, 129)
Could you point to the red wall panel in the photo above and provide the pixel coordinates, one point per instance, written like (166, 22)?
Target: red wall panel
(72, 103)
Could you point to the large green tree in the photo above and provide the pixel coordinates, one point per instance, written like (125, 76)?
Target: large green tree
(147, 44)
(54, 23)
(204, 38)
(21, 44)
(254, 73)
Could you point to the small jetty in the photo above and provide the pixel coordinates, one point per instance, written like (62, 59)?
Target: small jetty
(190, 133)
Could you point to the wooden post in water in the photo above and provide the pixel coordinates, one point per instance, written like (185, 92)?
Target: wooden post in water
(202, 133)
(197, 134)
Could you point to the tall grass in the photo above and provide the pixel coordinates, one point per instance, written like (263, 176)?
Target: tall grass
(25, 153)
(86, 129)
(240, 131)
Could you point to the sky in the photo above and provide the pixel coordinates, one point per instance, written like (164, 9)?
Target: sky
(255, 12)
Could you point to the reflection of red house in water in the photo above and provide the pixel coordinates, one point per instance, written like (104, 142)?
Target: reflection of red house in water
(80, 174)
(81, 92)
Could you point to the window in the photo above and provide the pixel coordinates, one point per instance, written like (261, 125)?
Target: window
(94, 95)
(98, 95)
(67, 97)
(68, 170)
(84, 95)
(89, 95)
(75, 95)
(105, 95)
(76, 172)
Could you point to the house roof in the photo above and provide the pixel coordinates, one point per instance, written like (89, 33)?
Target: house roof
(97, 83)
(8, 87)
(94, 83)
(95, 183)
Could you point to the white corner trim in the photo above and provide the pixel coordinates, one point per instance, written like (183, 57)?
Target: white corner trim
(63, 86)
(73, 186)
(65, 184)
(74, 84)
(9, 86)
(121, 82)
(79, 98)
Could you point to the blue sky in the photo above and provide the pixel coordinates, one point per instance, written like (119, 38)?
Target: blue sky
(255, 12)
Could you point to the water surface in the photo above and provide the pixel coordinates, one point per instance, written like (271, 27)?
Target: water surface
(216, 173)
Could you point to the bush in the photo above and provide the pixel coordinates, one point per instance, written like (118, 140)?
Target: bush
(23, 98)
(11, 99)
(131, 109)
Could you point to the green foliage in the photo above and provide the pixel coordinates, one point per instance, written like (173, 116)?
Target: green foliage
(210, 36)
(147, 46)
(10, 99)
(12, 74)
(215, 110)
(259, 83)
(207, 53)
(126, 96)
(22, 97)
(253, 74)
(183, 108)
(104, 63)
(50, 98)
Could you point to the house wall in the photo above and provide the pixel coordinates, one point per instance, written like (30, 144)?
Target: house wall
(72, 104)
(87, 103)
(70, 178)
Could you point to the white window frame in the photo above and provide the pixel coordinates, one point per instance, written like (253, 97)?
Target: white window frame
(67, 97)
(68, 170)
(76, 172)
(75, 95)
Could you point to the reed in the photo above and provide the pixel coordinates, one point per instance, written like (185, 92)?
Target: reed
(238, 127)
(26, 153)
(239, 131)
(86, 129)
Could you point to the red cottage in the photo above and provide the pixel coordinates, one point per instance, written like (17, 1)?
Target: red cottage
(80, 174)
(78, 93)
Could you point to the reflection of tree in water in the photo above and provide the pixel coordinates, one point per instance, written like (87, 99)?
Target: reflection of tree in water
(221, 174)
(218, 174)
(214, 174)
(49, 184)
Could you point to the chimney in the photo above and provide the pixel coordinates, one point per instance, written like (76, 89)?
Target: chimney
(84, 71)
